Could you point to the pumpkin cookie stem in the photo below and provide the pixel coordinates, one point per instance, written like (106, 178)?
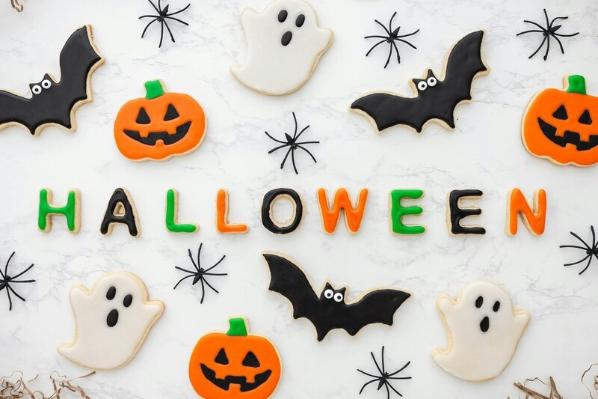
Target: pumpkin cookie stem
(577, 84)
(237, 327)
(153, 89)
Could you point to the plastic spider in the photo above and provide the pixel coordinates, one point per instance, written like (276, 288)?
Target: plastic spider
(163, 16)
(293, 145)
(590, 251)
(549, 31)
(392, 36)
(6, 280)
(384, 378)
(199, 274)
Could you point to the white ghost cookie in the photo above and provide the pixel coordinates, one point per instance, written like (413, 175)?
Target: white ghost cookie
(112, 320)
(284, 46)
(483, 332)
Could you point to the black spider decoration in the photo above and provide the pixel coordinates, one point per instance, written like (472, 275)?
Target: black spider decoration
(163, 16)
(392, 36)
(6, 280)
(293, 145)
(199, 274)
(590, 251)
(384, 378)
(549, 31)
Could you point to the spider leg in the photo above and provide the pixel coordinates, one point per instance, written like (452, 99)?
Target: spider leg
(210, 285)
(147, 26)
(366, 384)
(179, 11)
(536, 24)
(310, 154)
(390, 22)
(548, 23)
(566, 34)
(7, 263)
(215, 274)
(374, 46)
(578, 262)
(388, 384)
(169, 31)
(178, 20)
(285, 158)
(579, 238)
(382, 358)
(593, 236)
(530, 31)
(401, 369)
(307, 142)
(278, 148)
(192, 260)
(376, 363)
(407, 43)
(9, 299)
(161, 33)
(368, 374)
(203, 291)
(22, 281)
(15, 292)
(387, 390)
(199, 256)
(301, 132)
(216, 264)
(185, 270)
(397, 51)
(383, 27)
(181, 280)
(23, 272)
(375, 37)
(408, 34)
(547, 48)
(559, 43)
(148, 16)
(293, 161)
(153, 5)
(586, 268)
(278, 141)
(539, 47)
(296, 125)
(389, 55)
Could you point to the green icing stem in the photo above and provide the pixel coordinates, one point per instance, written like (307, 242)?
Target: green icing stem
(577, 84)
(171, 223)
(237, 327)
(46, 209)
(398, 211)
(153, 89)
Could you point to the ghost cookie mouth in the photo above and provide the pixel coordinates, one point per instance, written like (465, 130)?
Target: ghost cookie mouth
(166, 138)
(224, 383)
(485, 324)
(112, 318)
(569, 137)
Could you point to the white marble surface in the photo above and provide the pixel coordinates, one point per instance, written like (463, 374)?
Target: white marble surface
(484, 152)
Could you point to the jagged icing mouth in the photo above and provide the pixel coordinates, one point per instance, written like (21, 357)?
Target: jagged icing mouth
(569, 137)
(153, 137)
(224, 383)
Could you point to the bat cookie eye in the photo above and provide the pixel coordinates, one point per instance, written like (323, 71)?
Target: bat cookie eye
(36, 89)
(432, 81)
(46, 84)
(338, 297)
(422, 85)
(328, 294)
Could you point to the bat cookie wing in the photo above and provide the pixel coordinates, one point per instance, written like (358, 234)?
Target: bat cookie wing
(375, 307)
(289, 280)
(55, 102)
(386, 110)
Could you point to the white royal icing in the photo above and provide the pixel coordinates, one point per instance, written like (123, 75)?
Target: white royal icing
(96, 344)
(472, 353)
(277, 69)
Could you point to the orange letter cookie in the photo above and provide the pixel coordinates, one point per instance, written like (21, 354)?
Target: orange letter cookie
(222, 216)
(353, 215)
(535, 219)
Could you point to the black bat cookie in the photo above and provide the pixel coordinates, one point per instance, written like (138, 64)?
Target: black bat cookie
(55, 102)
(436, 99)
(329, 311)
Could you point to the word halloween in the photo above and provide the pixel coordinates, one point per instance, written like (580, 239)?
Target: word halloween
(121, 210)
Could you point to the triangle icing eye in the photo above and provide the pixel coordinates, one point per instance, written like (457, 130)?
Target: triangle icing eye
(221, 357)
(142, 117)
(251, 360)
(561, 113)
(585, 118)
(171, 113)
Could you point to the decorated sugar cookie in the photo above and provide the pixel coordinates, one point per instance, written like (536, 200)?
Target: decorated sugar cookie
(284, 43)
(562, 126)
(329, 311)
(112, 320)
(159, 126)
(483, 332)
(436, 99)
(234, 365)
(54, 102)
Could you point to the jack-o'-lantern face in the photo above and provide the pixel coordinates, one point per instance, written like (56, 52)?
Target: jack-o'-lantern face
(563, 125)
(160, 125)
(234, 365)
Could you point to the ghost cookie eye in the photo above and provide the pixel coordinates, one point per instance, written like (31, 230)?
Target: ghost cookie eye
(111, 293)
(282, 16)
(300, 20)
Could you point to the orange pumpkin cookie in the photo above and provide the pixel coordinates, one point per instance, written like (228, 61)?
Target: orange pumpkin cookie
(160, 125)
(562, 126)
(234, 365)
